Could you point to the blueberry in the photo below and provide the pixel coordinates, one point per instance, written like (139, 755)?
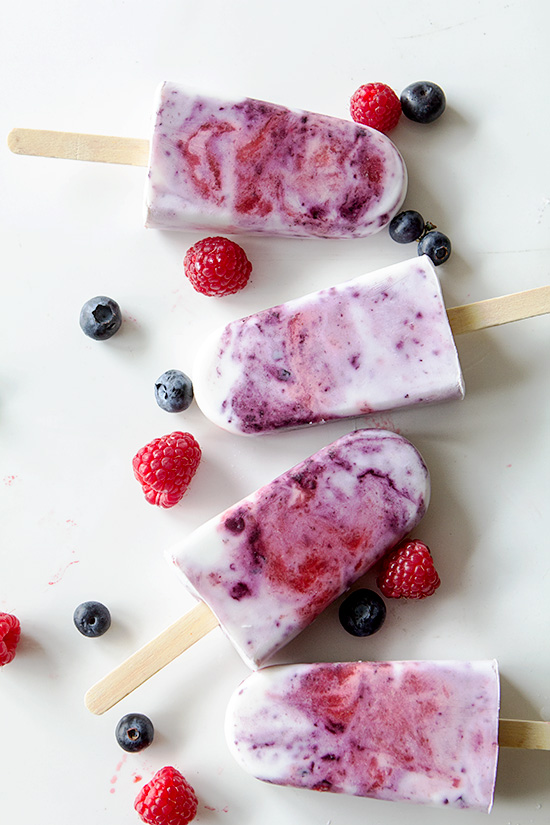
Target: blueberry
(436, 246)
(423, 102)
(134, 732)
(92, 619)
(100, 318)
(406, 226)
(174, 391)
(362, 613)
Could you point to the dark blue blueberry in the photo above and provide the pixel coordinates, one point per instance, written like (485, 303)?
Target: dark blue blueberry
(423, 102)
(100, 318)
(174, 391)
(134, 732)
(362, 613)
(92, 619)
(406, 227)
(436, 246)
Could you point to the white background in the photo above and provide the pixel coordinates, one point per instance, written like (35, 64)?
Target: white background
(74, 523)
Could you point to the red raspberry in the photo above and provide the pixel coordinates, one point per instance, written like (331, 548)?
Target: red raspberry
(168, 799)
(10, 631)
(165, 467)
(217, 266)
(408, 571)
(376, 105)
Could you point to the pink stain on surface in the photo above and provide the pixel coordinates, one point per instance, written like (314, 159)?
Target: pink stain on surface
(384, 423)
(8, 480)
(114, 777)
(61, 572)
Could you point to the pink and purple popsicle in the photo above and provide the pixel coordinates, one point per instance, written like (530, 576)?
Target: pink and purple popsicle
(424, 732)
(270, 564)
(251, 166)
(379, 342)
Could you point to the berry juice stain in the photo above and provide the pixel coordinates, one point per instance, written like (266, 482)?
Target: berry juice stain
(61, 572)
(114, 777)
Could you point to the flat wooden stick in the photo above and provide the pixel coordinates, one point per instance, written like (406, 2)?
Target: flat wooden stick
(76, 146)
(496, 311)
(151, 658)
(516, 733)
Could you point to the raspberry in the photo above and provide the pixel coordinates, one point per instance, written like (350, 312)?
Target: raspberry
(168, 799)
(408, 571)
(10, 631)
(217, 266)
(165, 467)
(376, 105)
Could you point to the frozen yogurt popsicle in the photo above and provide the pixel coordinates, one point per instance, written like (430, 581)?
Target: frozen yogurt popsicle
(248, 166)
(415, 731)
(270, 564)
(265, 568)
(379, 342)
(251, 166)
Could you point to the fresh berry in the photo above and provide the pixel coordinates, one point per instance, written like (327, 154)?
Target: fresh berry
(407, 226)
(134, 732)
(408, 571)
(423, 102)
(362, 613)
(100, 318)
(217, 266)
(92, 619)
(168, 799)
(376, 105)
(165, 467)
(436, 246)
(10, 632)
(174, 391)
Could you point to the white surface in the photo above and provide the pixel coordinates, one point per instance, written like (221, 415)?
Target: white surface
(73, 412)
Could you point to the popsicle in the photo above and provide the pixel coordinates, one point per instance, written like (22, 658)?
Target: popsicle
(265, 568)
(246, 165)
(378, 342)
(415, 731)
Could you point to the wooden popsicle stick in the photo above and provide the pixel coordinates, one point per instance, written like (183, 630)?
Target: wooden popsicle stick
(151, 658)
(76, 146)
(516, 733)
(496, 311)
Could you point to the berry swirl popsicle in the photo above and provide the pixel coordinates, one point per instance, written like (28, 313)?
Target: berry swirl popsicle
(248, 166)
(252, 166)
(273, 562)
(415, 731)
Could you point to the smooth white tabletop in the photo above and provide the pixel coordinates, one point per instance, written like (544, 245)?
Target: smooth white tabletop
(75, 524)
